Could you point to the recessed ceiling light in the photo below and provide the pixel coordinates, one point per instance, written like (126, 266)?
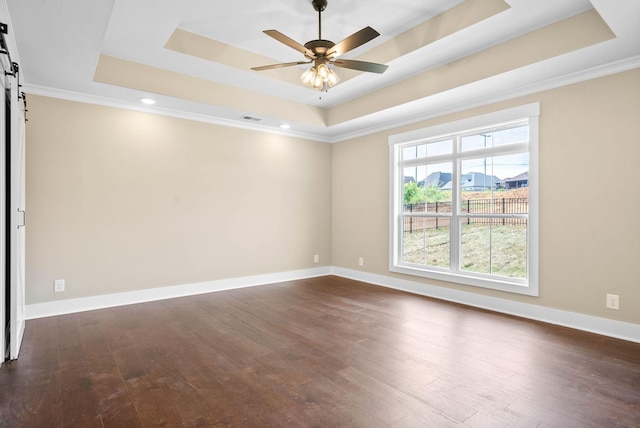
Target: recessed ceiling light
(285, 126)
(147, 101)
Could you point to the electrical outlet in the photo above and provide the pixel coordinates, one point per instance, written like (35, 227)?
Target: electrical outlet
(613, 301)
(361, 261)
(316, 259)
(58, 285)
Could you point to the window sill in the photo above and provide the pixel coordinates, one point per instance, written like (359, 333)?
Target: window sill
(529, 288)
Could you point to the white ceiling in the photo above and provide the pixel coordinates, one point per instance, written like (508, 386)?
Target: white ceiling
(59, 43)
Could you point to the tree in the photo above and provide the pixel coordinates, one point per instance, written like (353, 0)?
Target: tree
(436, 194)
(413, 194)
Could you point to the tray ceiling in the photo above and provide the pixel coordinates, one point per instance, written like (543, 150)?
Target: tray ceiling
(194, 57)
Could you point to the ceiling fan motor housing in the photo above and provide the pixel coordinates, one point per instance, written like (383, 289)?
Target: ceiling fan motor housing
(318, 47)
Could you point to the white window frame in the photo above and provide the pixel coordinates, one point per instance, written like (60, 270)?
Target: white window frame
(528, 286)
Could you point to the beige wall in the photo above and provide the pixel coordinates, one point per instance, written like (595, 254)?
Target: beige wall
(120, 200)
(590, 208)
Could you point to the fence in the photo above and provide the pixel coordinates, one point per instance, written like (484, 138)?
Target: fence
(470, 206)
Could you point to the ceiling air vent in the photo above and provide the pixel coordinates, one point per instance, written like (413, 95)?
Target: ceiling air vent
(251, 118)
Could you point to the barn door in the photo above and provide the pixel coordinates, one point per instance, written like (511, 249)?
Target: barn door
(12, 218)
(18, 221)
(5, 290)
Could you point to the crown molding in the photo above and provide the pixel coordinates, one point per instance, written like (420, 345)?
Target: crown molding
(115, 103)
(422, 114)
(418, 113)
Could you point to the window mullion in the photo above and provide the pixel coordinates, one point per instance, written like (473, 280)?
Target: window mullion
(454, 227)
(398, 206)
(494, 151)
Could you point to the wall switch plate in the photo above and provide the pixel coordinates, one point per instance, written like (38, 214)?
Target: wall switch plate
(361, 261)
(316, 259)
(613, 301)
(58, 285)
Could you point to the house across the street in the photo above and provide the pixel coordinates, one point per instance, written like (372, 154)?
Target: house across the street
(521, 180)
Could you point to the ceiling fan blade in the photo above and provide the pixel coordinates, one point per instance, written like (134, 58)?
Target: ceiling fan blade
(353, 41)
(289, 42)
(281, 65)
(371, 67)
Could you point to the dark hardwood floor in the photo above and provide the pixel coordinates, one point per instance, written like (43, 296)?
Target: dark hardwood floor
(323, 352)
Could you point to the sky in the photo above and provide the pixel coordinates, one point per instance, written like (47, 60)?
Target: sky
(504, 166)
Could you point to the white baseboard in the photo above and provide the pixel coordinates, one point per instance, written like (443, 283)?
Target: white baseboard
(62, 307)
(606, 327)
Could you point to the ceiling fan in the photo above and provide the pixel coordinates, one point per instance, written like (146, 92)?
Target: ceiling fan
(322, 53)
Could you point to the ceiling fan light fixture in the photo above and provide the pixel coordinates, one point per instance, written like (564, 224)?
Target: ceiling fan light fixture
(323, 71)
(320, 77)
(332, 78)
(309, 76)
(318, 83)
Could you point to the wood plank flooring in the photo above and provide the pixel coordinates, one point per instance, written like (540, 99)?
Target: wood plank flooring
(322, 352)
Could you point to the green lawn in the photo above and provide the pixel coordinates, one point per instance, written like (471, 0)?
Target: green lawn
(497, 249)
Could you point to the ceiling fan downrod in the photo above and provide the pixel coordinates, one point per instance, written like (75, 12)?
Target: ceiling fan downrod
(319, 6)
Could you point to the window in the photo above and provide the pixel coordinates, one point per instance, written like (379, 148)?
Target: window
(464, 201)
